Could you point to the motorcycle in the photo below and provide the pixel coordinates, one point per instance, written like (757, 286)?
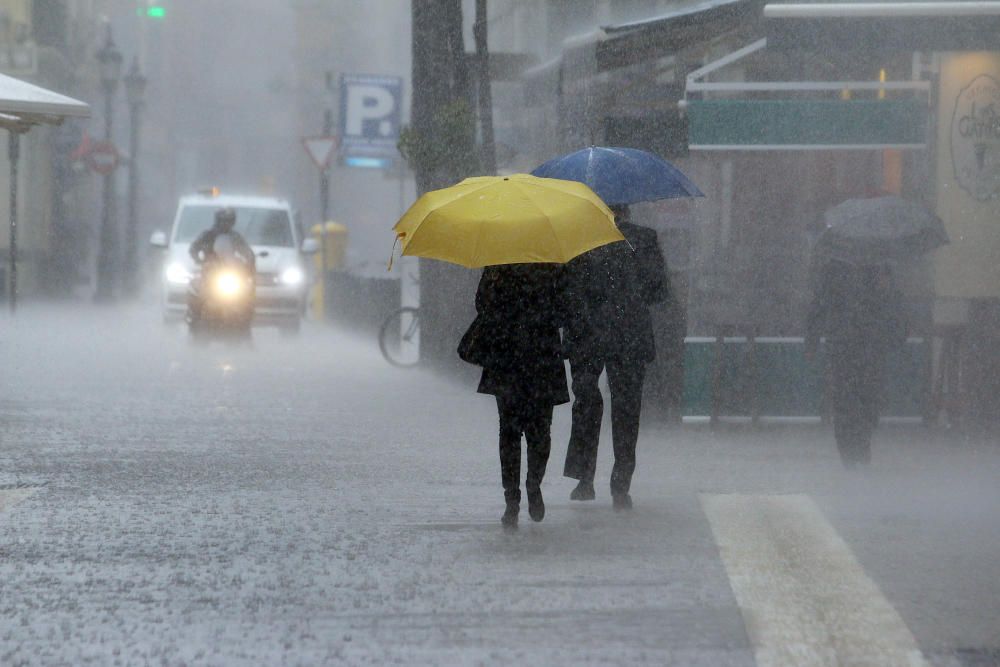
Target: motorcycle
(221, 300)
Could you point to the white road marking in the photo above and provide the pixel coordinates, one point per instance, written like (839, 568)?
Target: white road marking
(805, 599)
(11, 497)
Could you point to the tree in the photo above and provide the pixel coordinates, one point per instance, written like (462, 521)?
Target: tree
(440, 146)
(440, 143)
(480, 32)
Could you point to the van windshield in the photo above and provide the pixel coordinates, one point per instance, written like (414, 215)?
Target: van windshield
(259, 226)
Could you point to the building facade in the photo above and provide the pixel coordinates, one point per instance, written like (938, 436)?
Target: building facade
(805, 125)
(36, 45)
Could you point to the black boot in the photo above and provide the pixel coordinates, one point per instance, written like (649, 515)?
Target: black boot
(536, 505)
(583, 491)
(509, 518)
(513, 498)
(622, 502)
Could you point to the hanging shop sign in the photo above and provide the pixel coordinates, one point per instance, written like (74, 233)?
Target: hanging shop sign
(806, 124)
(975, 138)
(967, 175)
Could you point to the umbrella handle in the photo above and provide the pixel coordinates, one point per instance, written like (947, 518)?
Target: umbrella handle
(392, 253)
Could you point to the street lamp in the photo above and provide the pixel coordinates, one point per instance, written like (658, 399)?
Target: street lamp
(109, 59)
(135, 88)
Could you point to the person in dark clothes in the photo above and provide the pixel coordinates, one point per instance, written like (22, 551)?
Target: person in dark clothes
(219, 242)
(515, 338)
(203, 248)
(859, 309)
(609, 326)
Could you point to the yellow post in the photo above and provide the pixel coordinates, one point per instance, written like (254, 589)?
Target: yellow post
(336, 248)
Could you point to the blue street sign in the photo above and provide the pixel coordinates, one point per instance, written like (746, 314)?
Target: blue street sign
(370, 118)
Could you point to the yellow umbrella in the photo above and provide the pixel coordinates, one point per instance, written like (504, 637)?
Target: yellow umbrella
(516, 219)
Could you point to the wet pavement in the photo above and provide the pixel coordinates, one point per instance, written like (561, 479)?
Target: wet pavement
(302, 502)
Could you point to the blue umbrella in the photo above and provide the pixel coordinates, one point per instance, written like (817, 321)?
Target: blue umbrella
(621, 176)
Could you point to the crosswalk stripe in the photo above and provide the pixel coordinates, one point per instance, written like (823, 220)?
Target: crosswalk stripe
(805, 599)
(11, 497)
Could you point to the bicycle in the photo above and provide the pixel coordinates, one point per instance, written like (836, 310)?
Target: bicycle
(399, 331)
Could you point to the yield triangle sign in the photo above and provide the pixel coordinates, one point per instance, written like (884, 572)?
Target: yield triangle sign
(320, 149)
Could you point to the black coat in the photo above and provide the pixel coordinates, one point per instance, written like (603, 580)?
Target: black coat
(203, 247)
(859, 305)
(610, 290)
(520, 309)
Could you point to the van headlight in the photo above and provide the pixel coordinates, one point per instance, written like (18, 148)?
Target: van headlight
(293, 275)
(178, 274)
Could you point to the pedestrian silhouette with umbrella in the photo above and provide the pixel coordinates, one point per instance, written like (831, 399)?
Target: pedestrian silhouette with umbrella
(609, 326)
(858, 307)
(523, 230)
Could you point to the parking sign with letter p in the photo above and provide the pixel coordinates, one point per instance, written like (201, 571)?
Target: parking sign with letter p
(370, 115)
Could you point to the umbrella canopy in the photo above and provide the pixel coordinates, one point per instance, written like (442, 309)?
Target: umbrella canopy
(621, 176)
(516, 219)
(878, 229)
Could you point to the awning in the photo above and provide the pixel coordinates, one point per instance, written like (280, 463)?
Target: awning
(962, 25)
(666, 34)
(798, 120)
(694, 12)
(24, 104)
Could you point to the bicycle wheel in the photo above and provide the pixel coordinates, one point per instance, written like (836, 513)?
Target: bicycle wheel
(399, 337)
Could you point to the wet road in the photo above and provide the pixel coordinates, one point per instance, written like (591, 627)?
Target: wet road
(302, 502)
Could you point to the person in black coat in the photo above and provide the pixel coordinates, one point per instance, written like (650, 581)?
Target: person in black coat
(860, 311)
(515, 338)
(609, 326)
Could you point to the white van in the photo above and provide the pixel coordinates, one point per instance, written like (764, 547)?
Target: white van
(269, 225)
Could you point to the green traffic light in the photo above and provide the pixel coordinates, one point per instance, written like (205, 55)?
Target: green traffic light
(156, 12)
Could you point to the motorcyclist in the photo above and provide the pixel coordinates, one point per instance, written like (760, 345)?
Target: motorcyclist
(218, 243)
(204, 247)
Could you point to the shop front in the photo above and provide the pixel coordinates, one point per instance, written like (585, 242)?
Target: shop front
(911, 109)
(784, 110)
(967, 271)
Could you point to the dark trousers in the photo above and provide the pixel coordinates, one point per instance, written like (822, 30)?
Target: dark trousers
(858, 370)
(534, 421)
(625, 380)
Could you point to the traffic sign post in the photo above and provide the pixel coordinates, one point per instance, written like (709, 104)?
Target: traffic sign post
(321, 150)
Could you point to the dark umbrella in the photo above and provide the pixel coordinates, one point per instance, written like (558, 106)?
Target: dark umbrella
(621, 176)
(878, 229)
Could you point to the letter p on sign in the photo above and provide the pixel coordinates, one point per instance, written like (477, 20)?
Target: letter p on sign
(370, 113)
(369, 104)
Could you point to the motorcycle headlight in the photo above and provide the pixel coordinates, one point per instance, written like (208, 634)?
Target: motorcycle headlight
(292, 276)
(178, 274)
(228, 284)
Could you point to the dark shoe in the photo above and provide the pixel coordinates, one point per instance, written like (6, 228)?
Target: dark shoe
(622, 502)
(536, 505)
(509, 518)
(583, 491)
